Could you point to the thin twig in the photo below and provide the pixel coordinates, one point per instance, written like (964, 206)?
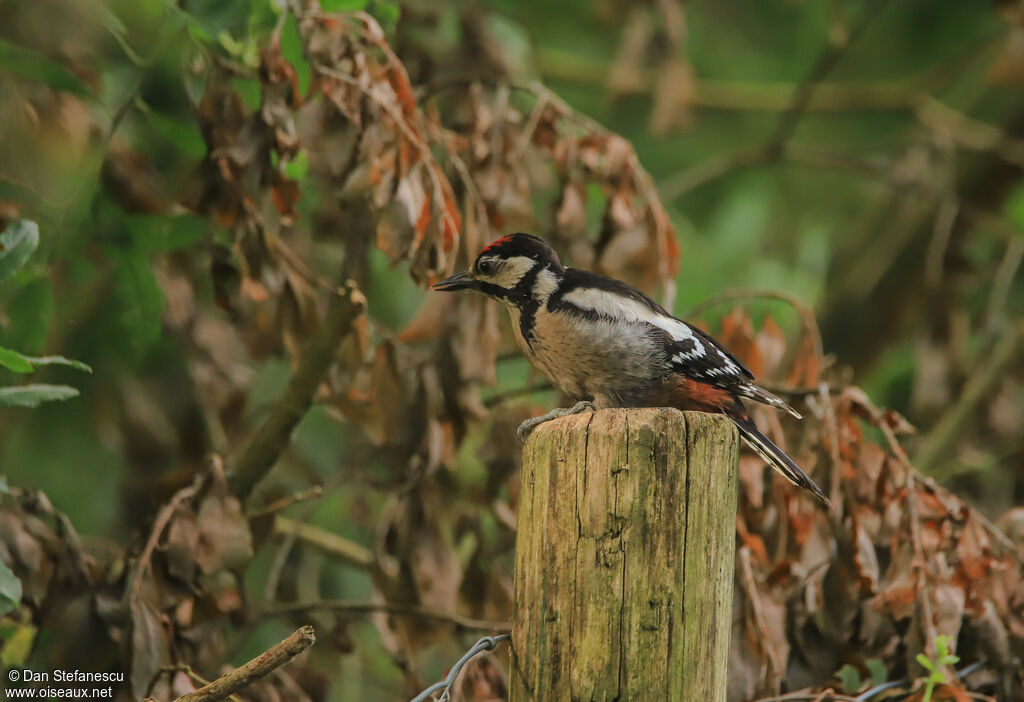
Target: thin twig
(413, 611)
(163, 518)
(268, 661)
(1005, 274)
(760, 96)
(754, 597)
(706, 171)
(919, 565)
(312, 493)
(410, 131)
(328, 542)
(806, 314)
(776, 146)
(801, 390)
(832, 432)
(937, 444)
(828, 60)
(967, 132)
(877, 419)
(291, 535)
(939, 243)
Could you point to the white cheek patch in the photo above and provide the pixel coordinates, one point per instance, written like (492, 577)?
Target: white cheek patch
(512, 271)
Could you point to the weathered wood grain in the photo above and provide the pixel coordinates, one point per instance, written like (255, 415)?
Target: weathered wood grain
(624, 558)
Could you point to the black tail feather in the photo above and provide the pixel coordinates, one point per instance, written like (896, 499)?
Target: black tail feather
(761, 395)
(777, 458)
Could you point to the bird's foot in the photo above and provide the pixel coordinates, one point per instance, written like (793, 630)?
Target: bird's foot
(530, 424)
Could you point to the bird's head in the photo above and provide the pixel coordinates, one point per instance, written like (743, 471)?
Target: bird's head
(512, 269)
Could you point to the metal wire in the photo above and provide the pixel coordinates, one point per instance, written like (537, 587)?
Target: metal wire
(963, 672)
(487, 643)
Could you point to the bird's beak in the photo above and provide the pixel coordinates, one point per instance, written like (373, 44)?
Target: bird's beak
(459, 281)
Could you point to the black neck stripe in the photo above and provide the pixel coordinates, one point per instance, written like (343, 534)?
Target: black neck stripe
(522, 297)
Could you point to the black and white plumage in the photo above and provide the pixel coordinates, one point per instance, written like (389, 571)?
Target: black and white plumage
(604, 342)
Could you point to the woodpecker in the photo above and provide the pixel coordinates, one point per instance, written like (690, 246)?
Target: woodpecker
(607, 344)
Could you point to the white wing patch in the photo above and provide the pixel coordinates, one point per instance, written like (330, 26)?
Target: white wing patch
(626, 308)
(699, 358)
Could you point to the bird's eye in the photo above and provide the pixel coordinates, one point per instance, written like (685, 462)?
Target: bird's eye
(485, 267)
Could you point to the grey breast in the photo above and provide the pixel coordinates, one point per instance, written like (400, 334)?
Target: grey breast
(613, 362)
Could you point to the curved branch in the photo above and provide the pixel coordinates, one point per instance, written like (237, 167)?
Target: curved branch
(806, 314)
(272, 436)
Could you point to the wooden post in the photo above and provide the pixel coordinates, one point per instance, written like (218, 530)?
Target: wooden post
(624, 558)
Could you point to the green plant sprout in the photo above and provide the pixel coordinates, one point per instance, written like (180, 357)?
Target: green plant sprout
(944, 656)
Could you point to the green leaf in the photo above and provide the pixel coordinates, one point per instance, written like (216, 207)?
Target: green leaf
(878, 672)
(925, 662)
(57, 361)
(33, 65)
(10, 589)
(249, 91)
(16, 244)
(386, 13)
(849, 677)
(211, 17)
(1014, 207)
(17, 645)
(291, 50)
(342, 5)
(185, 137)
(14, 361)
(35, 395)
(296, 168)
(198, 33)
(141, 295)
(20, 363)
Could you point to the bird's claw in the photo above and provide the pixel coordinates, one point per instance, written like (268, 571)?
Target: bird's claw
(530, 424)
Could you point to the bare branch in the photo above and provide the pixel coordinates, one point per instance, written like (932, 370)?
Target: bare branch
(760, 96)
(268, 661)
(828, 60)
(272, 436)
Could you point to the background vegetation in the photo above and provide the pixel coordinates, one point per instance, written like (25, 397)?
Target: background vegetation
(834, 187)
